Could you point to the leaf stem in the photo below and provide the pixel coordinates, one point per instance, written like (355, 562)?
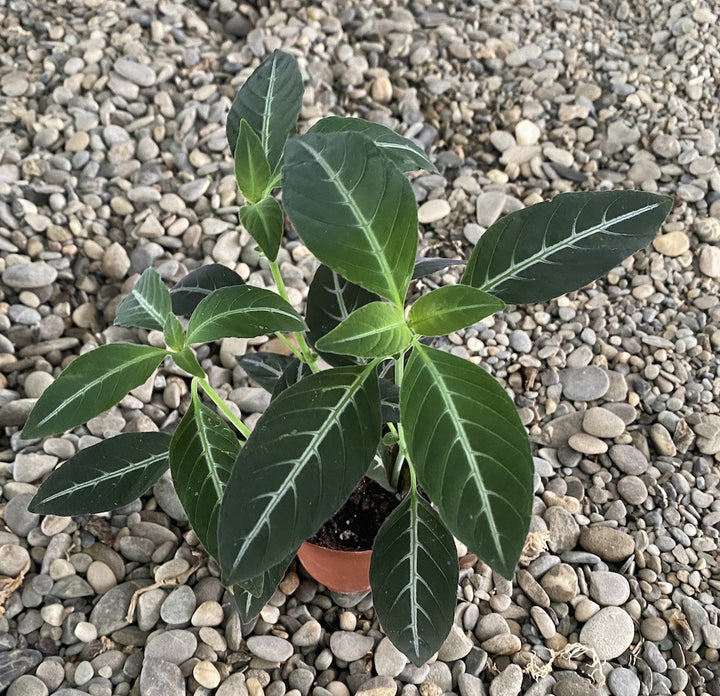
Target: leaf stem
(306, 355)
(403, 456)
(241, 427)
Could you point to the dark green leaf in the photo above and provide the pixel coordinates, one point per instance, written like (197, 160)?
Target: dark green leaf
(91, 384)
(252, 171)
(300, 464)
(414, 578)
(270, 101)
(403, 153)
(375, 330)
(173, 333)
(451, 308)
(198, 284)
(471, 453)
(353, 208)
(389, 400)
(555, 247)
(104, 476)
(254, 594)
(292, 374)
(147, 306)
(242, 311)
(425, 266)
(202, 453)
(265, 368)
(331, 299)
(186, 360)
(264, 222)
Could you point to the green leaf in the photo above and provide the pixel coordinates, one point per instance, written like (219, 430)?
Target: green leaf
(402, 152)
(186, 360)
(389, 400)
(241, 312)
(376, 330)
(147, 306)
(451, 308)
(91, 384)
(252, 171)
(292, 374)
(202, 453)
(353, 208)
(254, 594)
(104, 476)
(264, 222)
(331, 299)
(555, 247)
(300, 464)
(265, 368)
(414, 578)
(199, 284)
(471, 453)
(425, 266)
(173, 333)
(270, 101)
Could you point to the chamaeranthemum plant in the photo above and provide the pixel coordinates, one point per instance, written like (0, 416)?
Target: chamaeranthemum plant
(433, 419)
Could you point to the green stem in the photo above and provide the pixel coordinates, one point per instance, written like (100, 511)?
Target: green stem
(306, 355)
(403, 456)
(215, 397)
(296, 352)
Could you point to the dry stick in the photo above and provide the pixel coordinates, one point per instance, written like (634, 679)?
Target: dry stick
(9, 585)
(174, 580)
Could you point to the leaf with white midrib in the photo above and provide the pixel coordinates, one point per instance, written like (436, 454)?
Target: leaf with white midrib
(471, 453)
(303, 459)
(202, 453)
(414, 577)
(104, 476)
(555, 247)
(147, 306)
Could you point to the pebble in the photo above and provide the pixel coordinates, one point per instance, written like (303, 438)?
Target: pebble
(456, 646)
(388, 660)
(508, 682)
(629, 459)
(33, 466)
(560, 583)
(632, 490)
(15, 663)
(609, 632)
(709, 261)
(270, 648)
(109, 614)
(140, 74)
(13, 560)
(206, 674)
(489, 205)
(161, 678)
(623, 682)
(24, 276)
(608, 543)
(433, 211)
(179, 606)
(672, 244)
(378, 686)
(608, 588)
(600, 422)
(27, 685)
(584, 383)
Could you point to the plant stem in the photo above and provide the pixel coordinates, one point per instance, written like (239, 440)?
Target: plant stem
(403, 456)
(306, 355)
(241, 427)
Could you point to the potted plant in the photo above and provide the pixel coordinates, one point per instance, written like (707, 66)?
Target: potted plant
(362, 392)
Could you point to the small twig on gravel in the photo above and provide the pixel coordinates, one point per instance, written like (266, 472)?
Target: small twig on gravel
(535, 544)
(174, 580)
(9, 585)
(538, 669)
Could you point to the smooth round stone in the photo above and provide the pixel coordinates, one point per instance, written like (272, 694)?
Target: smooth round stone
(100, 577)
(349, 646)
(608, 543)
(504, 644)
(672, 244)
(629, 459)
(520, 341)
(179, 606)
(139, 74)
(27, 685)
(586, 608)
(173, 646)
(654, 628)
(600, 422)
(584, 383)
(560, 583)
(161, 678)
(526, 133)
(456, 645)
(17, 517)
(270, 648)
(489, 205)
(434, 210)
(36, 383)
(209, 613)
(378, 686)
(709, 261)
(84, 672)
(308, 635)
(609, 589)
(632, 489)
(206, 674)
(24, 276)
(13, 560)
(116, 262)
(508, 682)
(610, 632)
(563, 528)
(389, 661)
(85, 632)
(543, 622)
(623, 682)
(33, 466)
(587, 444)
(667, 146)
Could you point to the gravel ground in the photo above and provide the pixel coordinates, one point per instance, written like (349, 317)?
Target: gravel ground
(113, 158)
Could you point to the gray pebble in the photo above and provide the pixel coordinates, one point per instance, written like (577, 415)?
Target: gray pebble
(609, 632)
(629, 459)
(109, 614)
(161, 678)
(609, 589)
(585, 383)
(173, 646)
(349, 646)
(389, 661)
(24, 276)
(508, 682)
(179, 606)
(33, 466)
(17, 517)
(270, 648)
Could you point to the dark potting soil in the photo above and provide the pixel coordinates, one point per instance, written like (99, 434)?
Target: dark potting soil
(355, 525)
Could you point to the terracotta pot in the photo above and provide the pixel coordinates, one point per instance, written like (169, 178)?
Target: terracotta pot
(340, 571)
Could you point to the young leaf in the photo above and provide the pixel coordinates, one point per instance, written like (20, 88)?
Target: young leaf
(293, 373)
(202, 453)
(264, 222)
(451, 308)
(376, 330)
(300, 464)
(199, 284)
(270, 101)
(331, 299)
(403, 153)
(186, 360)
(425, 266)
(252, 171)
(555, 247)
(353, 208)
(104, 476)
(471, 453)
(253, 594)
(91, 384)
(173, 333)
(414, 577)
(265, 368)
(241, 312)
(147, 306)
